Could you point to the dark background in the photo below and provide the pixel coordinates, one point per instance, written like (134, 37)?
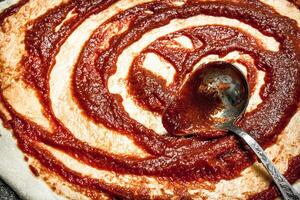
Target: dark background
(6, 193)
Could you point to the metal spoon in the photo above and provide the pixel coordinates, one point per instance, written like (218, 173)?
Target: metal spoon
(233, 90)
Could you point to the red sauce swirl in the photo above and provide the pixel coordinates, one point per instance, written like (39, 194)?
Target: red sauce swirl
(185, 159)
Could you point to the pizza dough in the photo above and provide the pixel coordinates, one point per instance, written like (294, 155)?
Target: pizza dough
(94, 29)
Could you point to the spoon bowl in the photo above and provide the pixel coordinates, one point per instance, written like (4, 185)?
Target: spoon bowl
(231, 87)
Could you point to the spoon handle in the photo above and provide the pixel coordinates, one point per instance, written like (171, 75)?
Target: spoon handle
(286, 189)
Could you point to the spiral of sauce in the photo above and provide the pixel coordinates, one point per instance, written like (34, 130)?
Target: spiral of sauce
(101, 64)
